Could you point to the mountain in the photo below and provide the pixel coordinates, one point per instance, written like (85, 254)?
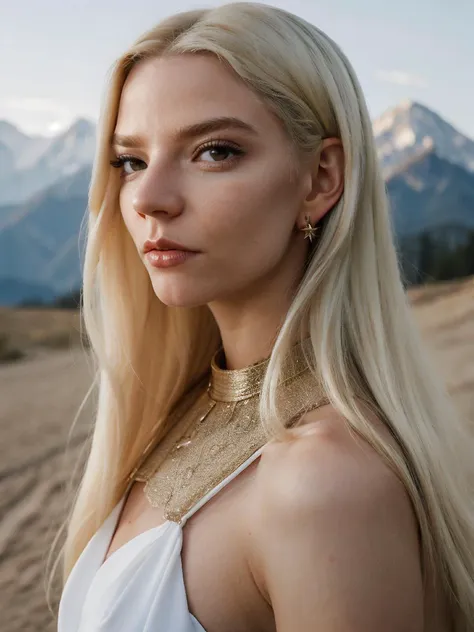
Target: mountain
(430, 193)
(30, 164)
(70, 151)
(13, 138)
(410, 129)
(39, 240)
(25, 150)
(15, 291)
(7, 161)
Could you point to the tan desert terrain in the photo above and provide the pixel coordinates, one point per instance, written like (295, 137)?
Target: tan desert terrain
(40, 395)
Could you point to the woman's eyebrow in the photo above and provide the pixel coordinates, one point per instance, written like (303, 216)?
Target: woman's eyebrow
(196, 129)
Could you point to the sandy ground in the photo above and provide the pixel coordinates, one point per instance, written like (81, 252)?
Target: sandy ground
(39, 397)
(38, 401)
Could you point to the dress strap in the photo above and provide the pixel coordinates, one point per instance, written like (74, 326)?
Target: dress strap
(220, 486)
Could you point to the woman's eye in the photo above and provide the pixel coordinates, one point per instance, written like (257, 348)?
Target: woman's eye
(121, 161)
(219, 151)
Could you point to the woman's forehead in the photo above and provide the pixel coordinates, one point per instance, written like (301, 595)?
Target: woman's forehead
(173, 93)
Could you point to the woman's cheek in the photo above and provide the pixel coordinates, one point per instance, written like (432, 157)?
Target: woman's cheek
(130, 218)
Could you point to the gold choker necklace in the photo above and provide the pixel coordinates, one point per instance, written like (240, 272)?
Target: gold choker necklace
(215, 428)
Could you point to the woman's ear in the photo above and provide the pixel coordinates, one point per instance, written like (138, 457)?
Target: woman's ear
(327, 181)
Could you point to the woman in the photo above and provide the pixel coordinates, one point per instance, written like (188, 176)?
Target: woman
(272, 449)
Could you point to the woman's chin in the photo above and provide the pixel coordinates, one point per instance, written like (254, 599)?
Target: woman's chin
(179, 297)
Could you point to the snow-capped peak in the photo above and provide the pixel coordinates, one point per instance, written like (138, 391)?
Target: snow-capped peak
(71, 149)
(411, 127)
(39, 162)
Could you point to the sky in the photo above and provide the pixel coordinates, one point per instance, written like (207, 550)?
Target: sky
(55, 54)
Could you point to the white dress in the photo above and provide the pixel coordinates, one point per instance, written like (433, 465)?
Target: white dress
(140, 586)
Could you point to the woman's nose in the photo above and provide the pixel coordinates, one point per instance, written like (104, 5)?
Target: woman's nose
(157, 193)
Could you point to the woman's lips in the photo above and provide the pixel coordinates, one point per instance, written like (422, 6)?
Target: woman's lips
(168, 258)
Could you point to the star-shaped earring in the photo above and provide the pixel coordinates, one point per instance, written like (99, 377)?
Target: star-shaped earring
(309, 230)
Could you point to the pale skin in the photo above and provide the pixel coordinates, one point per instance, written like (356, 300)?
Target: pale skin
(318, 534)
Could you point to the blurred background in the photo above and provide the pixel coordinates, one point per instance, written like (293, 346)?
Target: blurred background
(414, 61)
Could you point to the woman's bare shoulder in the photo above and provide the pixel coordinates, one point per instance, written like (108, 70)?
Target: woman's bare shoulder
(325, 462)
(337, 538)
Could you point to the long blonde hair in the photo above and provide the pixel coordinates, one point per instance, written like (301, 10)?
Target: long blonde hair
(365, 344)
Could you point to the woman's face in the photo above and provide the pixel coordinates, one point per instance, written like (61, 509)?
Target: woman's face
(236, 203)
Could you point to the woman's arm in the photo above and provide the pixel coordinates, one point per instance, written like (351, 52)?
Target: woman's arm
(337, 538)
